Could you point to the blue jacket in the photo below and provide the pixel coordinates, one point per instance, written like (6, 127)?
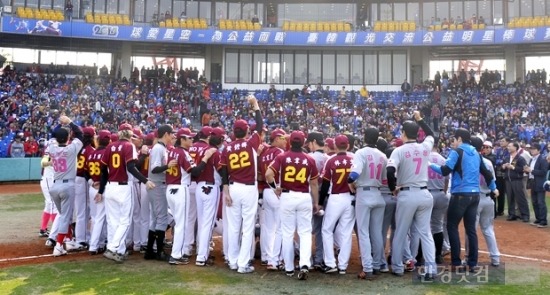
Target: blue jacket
(465, 177)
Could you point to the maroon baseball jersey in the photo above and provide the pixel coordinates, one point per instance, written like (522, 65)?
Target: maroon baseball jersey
(81, 161)
(145, 167)
(211, 165)
(116, 156)
(297, 169)
(180, 173)
(93, 164)
(337, 170)
(240, 158)
(197, 152)
(266, 157)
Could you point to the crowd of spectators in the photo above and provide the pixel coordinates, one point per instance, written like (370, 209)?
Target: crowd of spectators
(30, 104)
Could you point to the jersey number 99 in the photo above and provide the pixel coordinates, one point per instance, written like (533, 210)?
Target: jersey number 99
(239, 160)
(293, 175)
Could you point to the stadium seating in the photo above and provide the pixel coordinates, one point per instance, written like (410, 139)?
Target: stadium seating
(529, 22)
(239, 24)
(41, 14)
(310, 26)
(394, 26)
(107, 19)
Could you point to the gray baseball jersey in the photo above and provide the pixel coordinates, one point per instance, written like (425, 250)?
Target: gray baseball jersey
(320, 160)
(411, 162)
(436, 181)
(64, 159)
(483, 187)
(370, 164)
(157, 157)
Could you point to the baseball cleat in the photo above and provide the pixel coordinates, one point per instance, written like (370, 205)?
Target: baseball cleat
(271, 267)
(264, 263)
(59, 251)
(246, 269)
(410, 265)
(384, 268)
(341, 271)
(109, 254)
(44, 233)
(50, 243)
(330, 269)
(73, 246)
(303, 274)
(290, 273)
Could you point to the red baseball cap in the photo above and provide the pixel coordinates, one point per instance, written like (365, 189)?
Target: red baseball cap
(185, 132)
(90, 131)
(277, 133)
(398, 142)
(137, 133)
(218, 132)
(240, 124)
(341, 141)
(150, 136)
(297, 136)
(330, 143)
(125, 126)
(104, 134)
(114, 137)
(206, 131)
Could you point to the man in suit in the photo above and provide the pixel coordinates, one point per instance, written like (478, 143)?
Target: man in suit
(537, 170)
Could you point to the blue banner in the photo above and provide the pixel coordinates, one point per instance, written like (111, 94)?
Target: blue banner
(274, 37)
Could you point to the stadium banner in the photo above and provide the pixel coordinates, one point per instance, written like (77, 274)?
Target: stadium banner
(273, 37)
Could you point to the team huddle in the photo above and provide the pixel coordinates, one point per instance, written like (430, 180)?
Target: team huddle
(124, 192)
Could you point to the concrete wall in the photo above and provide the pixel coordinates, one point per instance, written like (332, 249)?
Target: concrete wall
(20, 169)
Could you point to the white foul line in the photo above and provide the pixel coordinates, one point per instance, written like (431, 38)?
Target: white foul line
(518, 257)
(25, 257)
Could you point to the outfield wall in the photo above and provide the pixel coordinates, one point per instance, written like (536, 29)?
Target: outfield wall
(20, 169)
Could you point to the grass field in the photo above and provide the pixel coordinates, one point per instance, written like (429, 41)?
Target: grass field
(72, 275)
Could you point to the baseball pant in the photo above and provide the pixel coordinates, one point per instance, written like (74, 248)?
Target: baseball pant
(441, 203)
(241, 219)
(369, 211)
(159, 208)
(296, 209)
(339, 215)
(144, 215)
(55, 227)
(118, 208)
(99, 226)
(389, 217)
(191, 219)
(45, 185)
(62, 194)
(485, 220)
(225, 229)
(82, 209)
(177, 196)
(261, 224)
(207, 197)
(414, 209)
(271, 228)
(138, 234)
(317, 231)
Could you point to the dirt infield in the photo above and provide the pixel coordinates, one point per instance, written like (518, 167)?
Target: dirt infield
(518, 242)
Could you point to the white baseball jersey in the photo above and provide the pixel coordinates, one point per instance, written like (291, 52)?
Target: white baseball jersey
(48, 170)
(370, 164)
(64, 159)
(436, 181)
(483, 187)
(320, 160)
(411, 162)
(131, 178)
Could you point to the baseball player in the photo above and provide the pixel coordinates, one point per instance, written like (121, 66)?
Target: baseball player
(135, 235)
(485, 210)
(158, 165)
(339, 211)
(118, 161)
(409, 164)
(207, 194)
(315, 143)
(178, 179)
(50, 211)
(437, 185)
(81, 206)
(298, 189)
(97, 209)
(366, 178)
(198, 147)
(63, 158)
(271, 227)
(240, 191)
(145, 212)
(389, 210)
